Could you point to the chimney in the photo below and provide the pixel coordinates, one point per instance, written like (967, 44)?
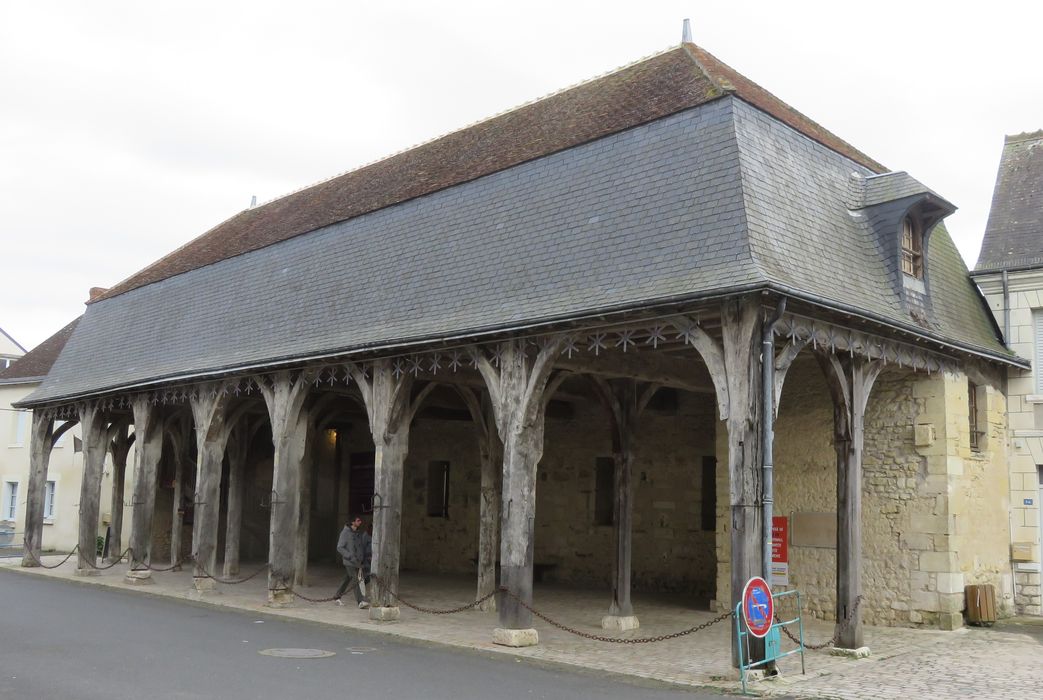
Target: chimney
(96, 292)
(686, 32)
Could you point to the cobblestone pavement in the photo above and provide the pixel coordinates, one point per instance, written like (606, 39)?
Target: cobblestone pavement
(1001, 662)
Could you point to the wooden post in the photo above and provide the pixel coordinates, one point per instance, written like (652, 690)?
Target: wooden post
(284, 394)
(119, 441)
(518, 389)
(734, 363)
(42, 441)
(212, 429)
(148, 432)
(238, 448)
(490, 459)
(624, 405)
(300, 563)
(391, 409)
(93, 426)
(177, 431)
(850, 381)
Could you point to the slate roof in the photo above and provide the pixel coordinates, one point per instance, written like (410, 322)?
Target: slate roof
(665, 84)
(35, 364)
(723, 197)
(1014, 233)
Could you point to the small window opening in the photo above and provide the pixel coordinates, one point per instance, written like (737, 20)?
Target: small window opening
(912, 248)
(438, 489)
(972, 416)
(709, 483)
(604, 488)
(48, 501)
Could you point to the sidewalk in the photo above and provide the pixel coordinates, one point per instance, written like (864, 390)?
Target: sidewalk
(1001, 662)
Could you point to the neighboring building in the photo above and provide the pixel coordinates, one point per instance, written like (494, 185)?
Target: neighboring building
(62, 488)
(1010, 273)
(584, 285)
(10, 350)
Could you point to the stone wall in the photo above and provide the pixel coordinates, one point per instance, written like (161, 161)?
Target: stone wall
(1025, 411)
(933, 511)
(670, 550)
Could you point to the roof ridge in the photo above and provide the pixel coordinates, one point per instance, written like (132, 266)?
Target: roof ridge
(1023, 136)
(469, 125)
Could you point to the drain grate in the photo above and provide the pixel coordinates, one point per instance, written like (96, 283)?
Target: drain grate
(360, 650)
(298, 653)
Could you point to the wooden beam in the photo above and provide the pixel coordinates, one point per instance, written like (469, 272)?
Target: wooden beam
(147, 452)
(285, 393)
(850, 381)
(93, 424)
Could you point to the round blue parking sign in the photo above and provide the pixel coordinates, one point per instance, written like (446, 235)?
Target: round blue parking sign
(758, 606)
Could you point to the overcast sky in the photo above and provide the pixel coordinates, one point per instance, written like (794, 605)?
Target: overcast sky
(128, 128)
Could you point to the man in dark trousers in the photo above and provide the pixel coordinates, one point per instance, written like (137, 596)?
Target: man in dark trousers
(356, 549)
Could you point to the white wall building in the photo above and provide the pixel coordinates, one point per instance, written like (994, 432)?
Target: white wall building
(1010, 274)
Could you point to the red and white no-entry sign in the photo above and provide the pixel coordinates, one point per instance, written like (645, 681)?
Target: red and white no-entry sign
(758, 606)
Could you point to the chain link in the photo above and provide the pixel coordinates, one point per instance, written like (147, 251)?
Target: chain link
(435, 611)
(836, 635)
(32, 555)
(618, 640)
(332, 598)
(111, 564)
(231, 582)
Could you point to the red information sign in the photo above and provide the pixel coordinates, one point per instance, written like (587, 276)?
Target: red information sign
(780, 538)
(758, 606)
(780, 550)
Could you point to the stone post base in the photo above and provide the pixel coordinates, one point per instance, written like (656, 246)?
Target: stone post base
(280, 599)
(383, 614)
(138, 578)
(202, 587)
(620, 623)
(86, 572)
(859, 653)
(515, 638)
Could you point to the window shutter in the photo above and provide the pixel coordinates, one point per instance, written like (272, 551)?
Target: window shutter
(1037, 355)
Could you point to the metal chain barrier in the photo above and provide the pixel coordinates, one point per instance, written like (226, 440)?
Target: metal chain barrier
(231, 582)
(32, 555)
(332, 598)
(162, 569)
(114, 562)
(836, 635)
(435, 611)
(618, 640)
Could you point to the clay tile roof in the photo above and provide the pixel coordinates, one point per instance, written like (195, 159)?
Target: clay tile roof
(36, 363)
(656, 87)
(1014, 234)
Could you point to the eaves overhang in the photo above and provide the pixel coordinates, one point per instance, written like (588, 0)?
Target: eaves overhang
(664, 307)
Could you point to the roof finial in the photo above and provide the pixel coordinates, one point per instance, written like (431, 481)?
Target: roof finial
(686, 32)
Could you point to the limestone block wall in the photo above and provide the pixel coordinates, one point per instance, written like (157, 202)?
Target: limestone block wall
(934, 512)
(1025, 411)
(670, 550)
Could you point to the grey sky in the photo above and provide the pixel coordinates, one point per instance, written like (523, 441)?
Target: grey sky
(128, 128)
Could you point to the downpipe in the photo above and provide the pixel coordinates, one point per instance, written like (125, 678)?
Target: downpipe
(768, 435)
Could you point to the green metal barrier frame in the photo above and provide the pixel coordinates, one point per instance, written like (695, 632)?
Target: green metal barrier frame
(772, 643)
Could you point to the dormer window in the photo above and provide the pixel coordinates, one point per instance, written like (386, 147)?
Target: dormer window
(912, 248)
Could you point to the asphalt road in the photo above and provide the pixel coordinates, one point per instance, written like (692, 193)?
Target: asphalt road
(61, 639)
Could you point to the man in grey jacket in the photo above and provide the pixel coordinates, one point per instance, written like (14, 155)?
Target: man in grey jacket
(356, 549)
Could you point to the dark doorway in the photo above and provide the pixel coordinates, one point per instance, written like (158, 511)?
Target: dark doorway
(361, 483)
